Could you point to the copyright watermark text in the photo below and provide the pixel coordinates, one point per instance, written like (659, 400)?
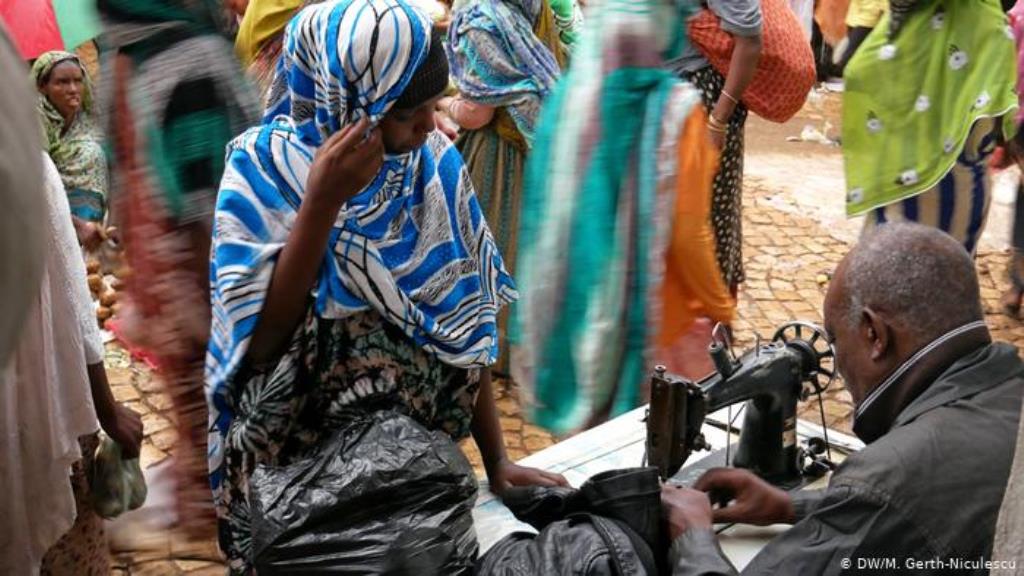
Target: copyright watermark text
(883, 564)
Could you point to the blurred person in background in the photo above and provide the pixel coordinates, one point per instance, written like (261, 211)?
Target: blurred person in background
(176, 98)
(616, 223)
(727, 118)
(73, 140)
(22, 239)
(1009, 546)
(1014, 153)
(258, 42)
(261, 29)
(506, 56)
(861, 19)
(927, 98)
(54, 397)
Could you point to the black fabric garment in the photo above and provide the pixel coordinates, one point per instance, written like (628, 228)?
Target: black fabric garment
(931, 488)
(855, 36)
(430, 79)
(610, 526)
(823, 56)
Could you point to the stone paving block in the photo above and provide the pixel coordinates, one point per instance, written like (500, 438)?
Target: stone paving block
(786, 295)
(157, 568)
(536, 443)
(513, 440)
(150, 455)
(511, 424)
(507, 407)
(137, 407)
(531, 430)
(125, 393)
(209, 570)
(149, 383)
(160, 402)
(188, 566)
(118, 376)
(153, 423)
(165, 439)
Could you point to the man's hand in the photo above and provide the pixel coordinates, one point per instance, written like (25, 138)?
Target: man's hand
(345, 164)
(507, 474)
(684, 509)
(746, 498)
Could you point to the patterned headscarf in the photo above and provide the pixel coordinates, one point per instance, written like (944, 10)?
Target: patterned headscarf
(497, 59)
(413, 246)
(318, 86)
(45, 64)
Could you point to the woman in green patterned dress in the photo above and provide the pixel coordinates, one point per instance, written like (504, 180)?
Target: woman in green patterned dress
(73, 140)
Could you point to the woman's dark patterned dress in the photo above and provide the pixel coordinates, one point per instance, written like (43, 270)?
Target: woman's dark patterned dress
(333, 368)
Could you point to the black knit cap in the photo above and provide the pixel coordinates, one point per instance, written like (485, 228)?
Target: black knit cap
(430, 79)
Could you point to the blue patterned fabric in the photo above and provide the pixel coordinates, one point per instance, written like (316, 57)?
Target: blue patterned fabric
(413, 246)
(497, 60)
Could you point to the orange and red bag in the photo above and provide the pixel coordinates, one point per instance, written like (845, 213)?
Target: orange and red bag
(785, 74)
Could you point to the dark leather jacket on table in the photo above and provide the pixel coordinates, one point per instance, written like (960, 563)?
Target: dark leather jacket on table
(611, 526)
(927, 490)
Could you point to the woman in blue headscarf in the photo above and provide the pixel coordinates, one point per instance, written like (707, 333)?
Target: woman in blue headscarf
(352, 267)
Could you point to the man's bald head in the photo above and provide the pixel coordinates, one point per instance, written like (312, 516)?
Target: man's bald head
(900, 288)
(916, 276)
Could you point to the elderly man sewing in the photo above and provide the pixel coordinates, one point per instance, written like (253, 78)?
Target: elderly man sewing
(938, 405)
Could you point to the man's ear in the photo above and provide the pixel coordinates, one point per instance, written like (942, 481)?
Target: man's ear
(877, 334)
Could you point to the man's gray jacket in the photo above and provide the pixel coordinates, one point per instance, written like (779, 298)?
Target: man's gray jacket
(922, 499)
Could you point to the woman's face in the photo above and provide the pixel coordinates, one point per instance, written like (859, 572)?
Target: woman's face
(407, 129)
(64, 88)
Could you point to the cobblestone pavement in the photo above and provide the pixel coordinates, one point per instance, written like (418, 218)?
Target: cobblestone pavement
(789, 258)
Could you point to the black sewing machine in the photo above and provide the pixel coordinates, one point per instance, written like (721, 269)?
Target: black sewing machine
(771, 378)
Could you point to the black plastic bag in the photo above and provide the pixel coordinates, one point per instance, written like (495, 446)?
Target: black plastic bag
(382, 496)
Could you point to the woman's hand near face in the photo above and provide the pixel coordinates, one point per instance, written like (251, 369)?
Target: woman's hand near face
(342, 167)
(345, 164)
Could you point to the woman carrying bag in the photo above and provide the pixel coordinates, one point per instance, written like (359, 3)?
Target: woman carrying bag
(727, 116)
(743, 55)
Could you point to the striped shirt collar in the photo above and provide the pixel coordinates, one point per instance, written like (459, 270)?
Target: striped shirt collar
(915, 360)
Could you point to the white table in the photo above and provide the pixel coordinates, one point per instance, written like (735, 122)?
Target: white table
(619, 443)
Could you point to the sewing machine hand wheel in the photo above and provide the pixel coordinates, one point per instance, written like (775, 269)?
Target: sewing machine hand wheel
(819, 357)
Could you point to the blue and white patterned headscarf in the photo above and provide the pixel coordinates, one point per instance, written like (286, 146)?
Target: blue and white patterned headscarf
(497, 60)
(412, 246)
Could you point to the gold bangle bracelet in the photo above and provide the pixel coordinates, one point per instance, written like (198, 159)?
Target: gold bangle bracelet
(730, 97)
(714, 128)
(716, 122)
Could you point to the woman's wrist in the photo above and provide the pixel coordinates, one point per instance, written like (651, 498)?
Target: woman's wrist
(716, 125)
(723, 110)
